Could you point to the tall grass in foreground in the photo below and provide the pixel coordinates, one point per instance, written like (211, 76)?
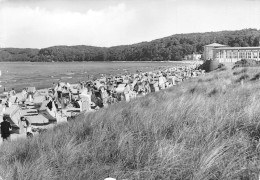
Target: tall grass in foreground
(206, 128)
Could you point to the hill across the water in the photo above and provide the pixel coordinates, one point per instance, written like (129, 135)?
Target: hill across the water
(172, 48)
(205, 128)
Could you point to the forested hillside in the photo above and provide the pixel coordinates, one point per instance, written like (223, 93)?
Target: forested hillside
(172, 48)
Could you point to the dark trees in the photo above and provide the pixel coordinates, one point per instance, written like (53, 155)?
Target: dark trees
(172, 48)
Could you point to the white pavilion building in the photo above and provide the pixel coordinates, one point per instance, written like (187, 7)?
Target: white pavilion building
(234, 54)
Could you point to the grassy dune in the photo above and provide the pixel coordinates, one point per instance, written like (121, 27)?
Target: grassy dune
(206, 128)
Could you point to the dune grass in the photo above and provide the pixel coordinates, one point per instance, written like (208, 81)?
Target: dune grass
(206, 128)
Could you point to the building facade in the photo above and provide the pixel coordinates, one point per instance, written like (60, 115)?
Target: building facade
(234, 54)
(209, 53)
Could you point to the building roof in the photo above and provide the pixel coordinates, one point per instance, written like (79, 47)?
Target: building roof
(216, 45)
(237, 48)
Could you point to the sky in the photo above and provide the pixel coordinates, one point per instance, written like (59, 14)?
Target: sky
(105, 23)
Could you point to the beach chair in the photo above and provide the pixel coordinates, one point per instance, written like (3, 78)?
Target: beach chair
(152, 86)
(50, 114)
(38, 100)
(31, 90)
(120, 88)
(85, 104)
(13, 99)
(127, 97)
(13, 116)
(28, 112)
(156, 88)
(38, 120)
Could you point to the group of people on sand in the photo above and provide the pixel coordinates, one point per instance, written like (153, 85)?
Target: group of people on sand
(102, 92)
(6, 128)
(91, 95)
(98, 93)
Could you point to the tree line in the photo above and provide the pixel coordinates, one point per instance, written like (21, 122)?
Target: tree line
(172, 48)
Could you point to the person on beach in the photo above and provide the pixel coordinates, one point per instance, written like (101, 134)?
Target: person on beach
(53, 87)
(12, 92)
(104, 96)
(28, 126)
(8, 103)
(66, 97)
(2, 109)
(127, 92)
(24, 95)
(58, 89)
(6, 129)
(50, 95)
(68, 85)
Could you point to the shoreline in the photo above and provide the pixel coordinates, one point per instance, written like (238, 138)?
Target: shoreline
(32, 77)
(184, 61)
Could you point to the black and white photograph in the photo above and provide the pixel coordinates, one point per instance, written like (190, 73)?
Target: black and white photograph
(130, 89)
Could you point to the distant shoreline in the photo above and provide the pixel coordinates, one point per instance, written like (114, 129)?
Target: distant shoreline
(184, 61)
(19, 75)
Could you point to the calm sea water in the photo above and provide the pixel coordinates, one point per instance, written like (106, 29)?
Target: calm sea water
(41, 74)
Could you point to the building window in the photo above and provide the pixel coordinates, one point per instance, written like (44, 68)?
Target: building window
(255, 55)
(249, 55)
(244, 55)
(235, 54)
(229, 54)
